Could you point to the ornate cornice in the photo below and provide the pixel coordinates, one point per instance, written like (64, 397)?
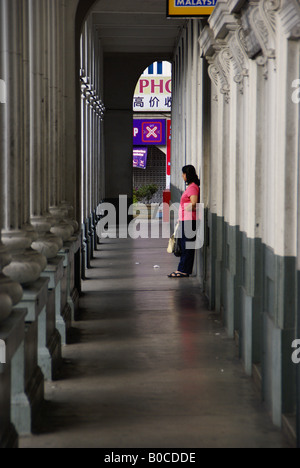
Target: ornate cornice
(259, 24)
(240, 58)
(245, 30)
(221, 21)
(207, 42)
(214, 75)
(220, 69)
(227, 59)
(235, 6)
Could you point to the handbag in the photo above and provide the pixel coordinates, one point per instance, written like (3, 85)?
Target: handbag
(174, 246)
(177, 248)
(171, 246)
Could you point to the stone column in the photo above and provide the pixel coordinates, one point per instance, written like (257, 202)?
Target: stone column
(39, 257)
(47, 243)
(26, 266)
(63, 227)
(10, 292)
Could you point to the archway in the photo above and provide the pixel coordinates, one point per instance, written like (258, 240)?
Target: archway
(132, 35)
(152, 105)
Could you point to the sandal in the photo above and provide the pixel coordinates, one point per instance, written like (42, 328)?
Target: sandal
(177, 275)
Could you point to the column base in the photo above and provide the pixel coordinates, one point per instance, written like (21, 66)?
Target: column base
(75, 299)
(63, 230)
(12, 333)
(13, 290)
(27, 267)
(34, 355)
(42, 309)
(70, 295)
(35, 391)
(21, 414)
(54, 346)
(48, 245)
(6, 306)
(5, 257)
(54, 272)
(63, 226)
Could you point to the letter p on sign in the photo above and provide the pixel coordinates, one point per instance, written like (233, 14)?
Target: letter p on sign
(2, 352)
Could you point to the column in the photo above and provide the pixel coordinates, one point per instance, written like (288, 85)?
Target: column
(39, 257)
(65, 203)
(11, 322)
(10, 292)
(26, 265)
(47, 243)
(63, 226)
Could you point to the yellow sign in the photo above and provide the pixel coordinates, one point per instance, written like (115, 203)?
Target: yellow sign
(190, 8)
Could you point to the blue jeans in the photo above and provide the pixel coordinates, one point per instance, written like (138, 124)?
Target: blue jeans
(186, 264)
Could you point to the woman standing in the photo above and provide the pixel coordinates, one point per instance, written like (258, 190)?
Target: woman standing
(188, 222)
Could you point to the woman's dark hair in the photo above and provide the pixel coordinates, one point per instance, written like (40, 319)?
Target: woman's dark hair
(191, 175)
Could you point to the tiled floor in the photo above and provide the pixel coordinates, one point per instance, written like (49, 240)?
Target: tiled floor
(149, 366)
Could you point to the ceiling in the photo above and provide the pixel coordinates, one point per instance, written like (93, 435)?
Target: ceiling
(136, 26)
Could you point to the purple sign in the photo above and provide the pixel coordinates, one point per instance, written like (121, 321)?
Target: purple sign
(149, 132)
(140, 158)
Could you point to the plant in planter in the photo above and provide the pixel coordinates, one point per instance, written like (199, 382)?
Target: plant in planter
(146, 193)
(135, 197)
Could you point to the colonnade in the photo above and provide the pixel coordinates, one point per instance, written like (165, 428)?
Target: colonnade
(92, 141)
(40, 238)
(248, 159)
(235, 117)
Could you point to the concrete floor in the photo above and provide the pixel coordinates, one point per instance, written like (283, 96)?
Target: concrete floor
(149, 366)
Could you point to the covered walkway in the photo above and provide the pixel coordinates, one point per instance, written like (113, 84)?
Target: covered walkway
(148, 365)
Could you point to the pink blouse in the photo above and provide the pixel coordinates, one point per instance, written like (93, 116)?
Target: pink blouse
(185, 215)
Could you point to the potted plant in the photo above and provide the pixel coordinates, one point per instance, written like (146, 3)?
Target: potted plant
(145, 194)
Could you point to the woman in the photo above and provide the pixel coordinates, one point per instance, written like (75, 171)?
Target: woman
(188, 222)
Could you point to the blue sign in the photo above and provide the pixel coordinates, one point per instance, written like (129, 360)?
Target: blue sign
(149, 132)
(140, 158)
(190, 8)
(195, 3)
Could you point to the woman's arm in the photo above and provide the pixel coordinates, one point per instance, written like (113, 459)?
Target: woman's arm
(193, 205)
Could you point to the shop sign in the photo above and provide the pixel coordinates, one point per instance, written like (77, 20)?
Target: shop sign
(149, 132)
(140, 158)
(190, 8)
(153, 94)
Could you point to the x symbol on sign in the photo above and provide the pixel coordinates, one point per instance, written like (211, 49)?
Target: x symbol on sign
(152, 132)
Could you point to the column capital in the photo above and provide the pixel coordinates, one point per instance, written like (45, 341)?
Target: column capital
(222, 21)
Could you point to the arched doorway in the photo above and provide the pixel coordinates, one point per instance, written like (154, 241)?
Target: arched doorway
(131, 35)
